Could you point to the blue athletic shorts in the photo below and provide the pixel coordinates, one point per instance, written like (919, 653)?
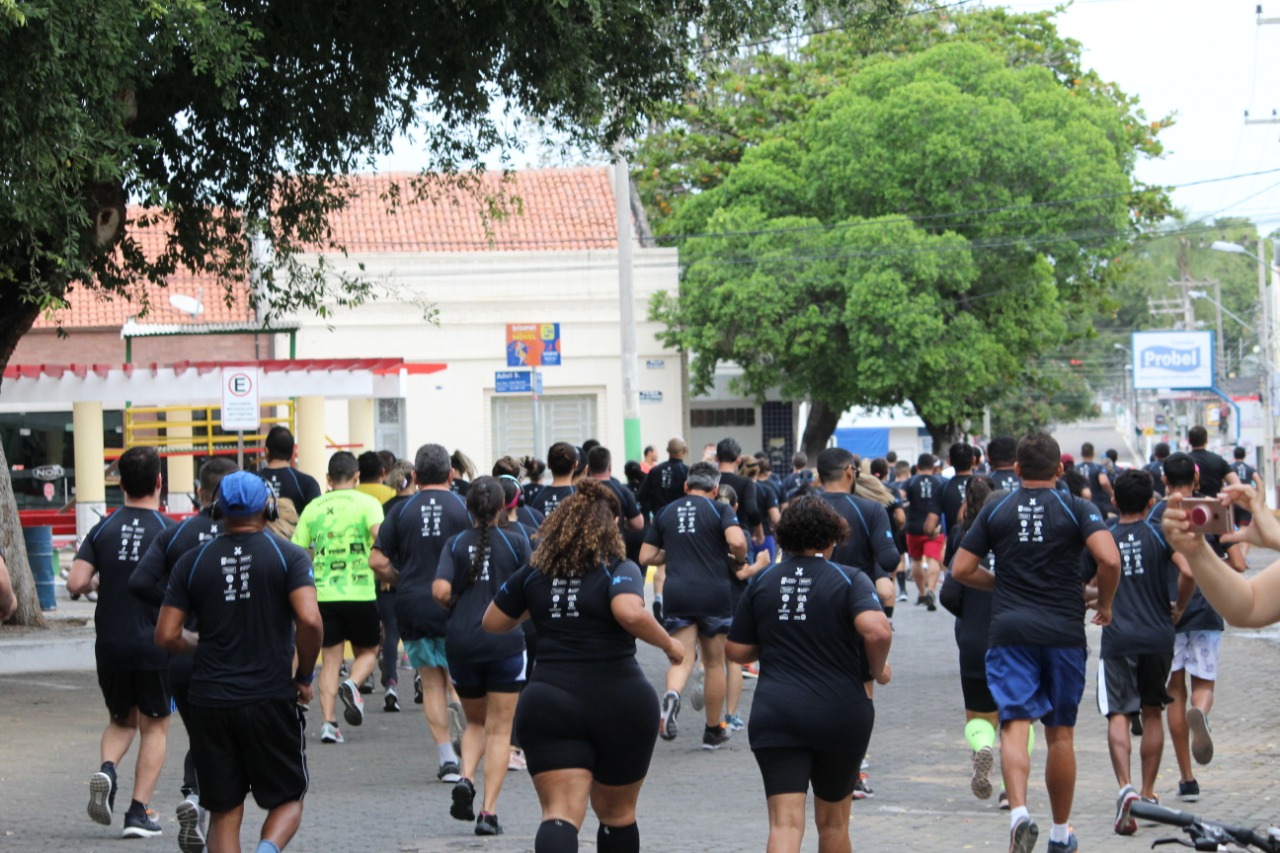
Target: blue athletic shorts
(1043, 683)
(474, 680)
(708, 626)
(426, 652)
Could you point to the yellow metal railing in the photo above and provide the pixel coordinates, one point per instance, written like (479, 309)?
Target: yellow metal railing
(143, 427)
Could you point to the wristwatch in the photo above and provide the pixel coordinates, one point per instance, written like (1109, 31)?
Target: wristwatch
(299, 679)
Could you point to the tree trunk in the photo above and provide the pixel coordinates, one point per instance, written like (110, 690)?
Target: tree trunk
(818, 430)
(15, 552)
(16, 318)
(943, 435)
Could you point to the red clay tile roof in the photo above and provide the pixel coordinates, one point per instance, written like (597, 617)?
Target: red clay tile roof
(91, 309)
(557, 209)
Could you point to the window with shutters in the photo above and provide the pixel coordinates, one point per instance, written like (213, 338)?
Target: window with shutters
(569, 417)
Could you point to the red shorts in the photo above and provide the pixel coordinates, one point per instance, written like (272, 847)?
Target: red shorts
(924, 546)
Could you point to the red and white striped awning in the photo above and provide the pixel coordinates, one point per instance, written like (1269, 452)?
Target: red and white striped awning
(51, 387)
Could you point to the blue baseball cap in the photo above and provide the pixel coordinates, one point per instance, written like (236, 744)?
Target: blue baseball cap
(242, 493)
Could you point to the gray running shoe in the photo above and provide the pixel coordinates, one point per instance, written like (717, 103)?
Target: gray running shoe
(1201, 739)
(983, 762)
(667, 727)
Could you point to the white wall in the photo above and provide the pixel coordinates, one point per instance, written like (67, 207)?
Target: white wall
(477, 294)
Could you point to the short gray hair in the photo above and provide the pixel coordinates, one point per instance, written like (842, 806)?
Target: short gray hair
(432, 465)
(704, 477)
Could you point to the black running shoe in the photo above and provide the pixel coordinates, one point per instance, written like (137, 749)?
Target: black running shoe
(464, 798)
(1135, 724)
(140, 825)
(714, 737)
(1189, 791)
(487, 824)
(449, 773)
(667, 727)
(931, 600)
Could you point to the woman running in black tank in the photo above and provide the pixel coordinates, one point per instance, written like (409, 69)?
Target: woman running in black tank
(586, 717)
(816, 628)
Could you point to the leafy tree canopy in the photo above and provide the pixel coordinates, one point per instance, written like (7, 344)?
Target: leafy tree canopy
(991, 190)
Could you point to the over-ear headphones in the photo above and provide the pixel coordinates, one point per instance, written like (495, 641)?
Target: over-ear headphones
(219, 511)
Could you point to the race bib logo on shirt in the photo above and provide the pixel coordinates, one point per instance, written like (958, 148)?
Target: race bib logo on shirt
(1131, 556)
(564, 598)
(686, 519)
(1031, 522)
(235, 572)
(484, 566)
(131, 536)
(795, 595)
(432, 515)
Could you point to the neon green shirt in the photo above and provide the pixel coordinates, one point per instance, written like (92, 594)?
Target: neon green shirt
(338, 526)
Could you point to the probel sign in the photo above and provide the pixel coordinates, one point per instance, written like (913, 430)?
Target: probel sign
(1173, 359)
(1169, 358)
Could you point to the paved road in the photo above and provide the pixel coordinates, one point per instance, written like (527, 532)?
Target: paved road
(377, 791)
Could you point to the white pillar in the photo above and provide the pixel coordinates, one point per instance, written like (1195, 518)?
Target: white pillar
(313, 458)
(182, 469)
(360, 425)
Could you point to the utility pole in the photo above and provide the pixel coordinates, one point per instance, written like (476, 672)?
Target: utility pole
(627, 306)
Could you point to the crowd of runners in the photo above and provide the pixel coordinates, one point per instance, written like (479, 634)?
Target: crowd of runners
(516, 599)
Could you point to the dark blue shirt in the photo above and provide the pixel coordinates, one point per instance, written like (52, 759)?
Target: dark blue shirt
(691, 531)
(1156, 470)
(412, 538)
(126, 626)
(1005, 478)
(237, 587)
(946, 503)
(1199, 614)
(869, 548)
(1037, 536)
(1141, 617)
(466, 641)
(574, 616)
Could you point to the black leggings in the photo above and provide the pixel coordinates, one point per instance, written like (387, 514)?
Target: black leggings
(179, 691)
(390, 636)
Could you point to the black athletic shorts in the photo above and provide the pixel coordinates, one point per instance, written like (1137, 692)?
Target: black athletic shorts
(977, 695)
(477, 680)
(126, 689)
(708, 626)
(356, 622)
(790, 770)
(594, 718)
(258, 748)
(1128, 684)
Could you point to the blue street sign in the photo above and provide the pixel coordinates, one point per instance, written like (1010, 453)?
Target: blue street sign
(515, 382)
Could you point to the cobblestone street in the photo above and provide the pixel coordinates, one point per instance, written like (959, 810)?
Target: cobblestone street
(378, 790)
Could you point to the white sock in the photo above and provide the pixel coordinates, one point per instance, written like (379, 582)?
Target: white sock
(1060, 832)
(1125, 788)
(1018, 814)
(446, 753)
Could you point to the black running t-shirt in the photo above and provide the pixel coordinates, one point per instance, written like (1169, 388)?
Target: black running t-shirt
(869, 548)
(466, 641)
(691, 531)
(1141, 622)
(1005, 478)
(573, 616)
(663, 484)
(412, 538)
(1200, 615)
(126, 626)
(237, 587)
(800, 613)
(1037, 536)
(1213, 471)
(549, 498)
(921, 491)
(288, 482)
(748, 505)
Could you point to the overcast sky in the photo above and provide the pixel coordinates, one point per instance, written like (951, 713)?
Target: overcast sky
(1205, 60)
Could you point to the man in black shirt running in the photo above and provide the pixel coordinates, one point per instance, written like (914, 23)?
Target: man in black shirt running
(600, 467)
(1036, 660)
(251, 594)
(1213, 469)
(281, 477)
(692, 537)
(562, 461)
(1002, 454)
(665, 481)
(947, 501)
(728, 454)
(1156, 468)
(869, 548)
(131, 670)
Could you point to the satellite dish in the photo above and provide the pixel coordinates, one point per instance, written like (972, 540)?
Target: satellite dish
(188, 304)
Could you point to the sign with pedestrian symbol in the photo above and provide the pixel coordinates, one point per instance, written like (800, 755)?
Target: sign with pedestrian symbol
(241, 411)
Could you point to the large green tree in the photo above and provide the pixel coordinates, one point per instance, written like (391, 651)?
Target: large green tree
(967, 146)
(235, 120)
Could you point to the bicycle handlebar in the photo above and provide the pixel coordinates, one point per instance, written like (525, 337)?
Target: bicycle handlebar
(1198, 826)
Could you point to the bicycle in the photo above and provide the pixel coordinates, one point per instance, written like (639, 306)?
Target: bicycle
(1207, 834)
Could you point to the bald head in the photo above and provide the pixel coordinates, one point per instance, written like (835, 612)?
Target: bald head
(676, 448)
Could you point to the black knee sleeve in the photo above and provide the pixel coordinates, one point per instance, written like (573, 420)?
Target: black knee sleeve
(556, 836)
(888, 611)
(618, 839)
